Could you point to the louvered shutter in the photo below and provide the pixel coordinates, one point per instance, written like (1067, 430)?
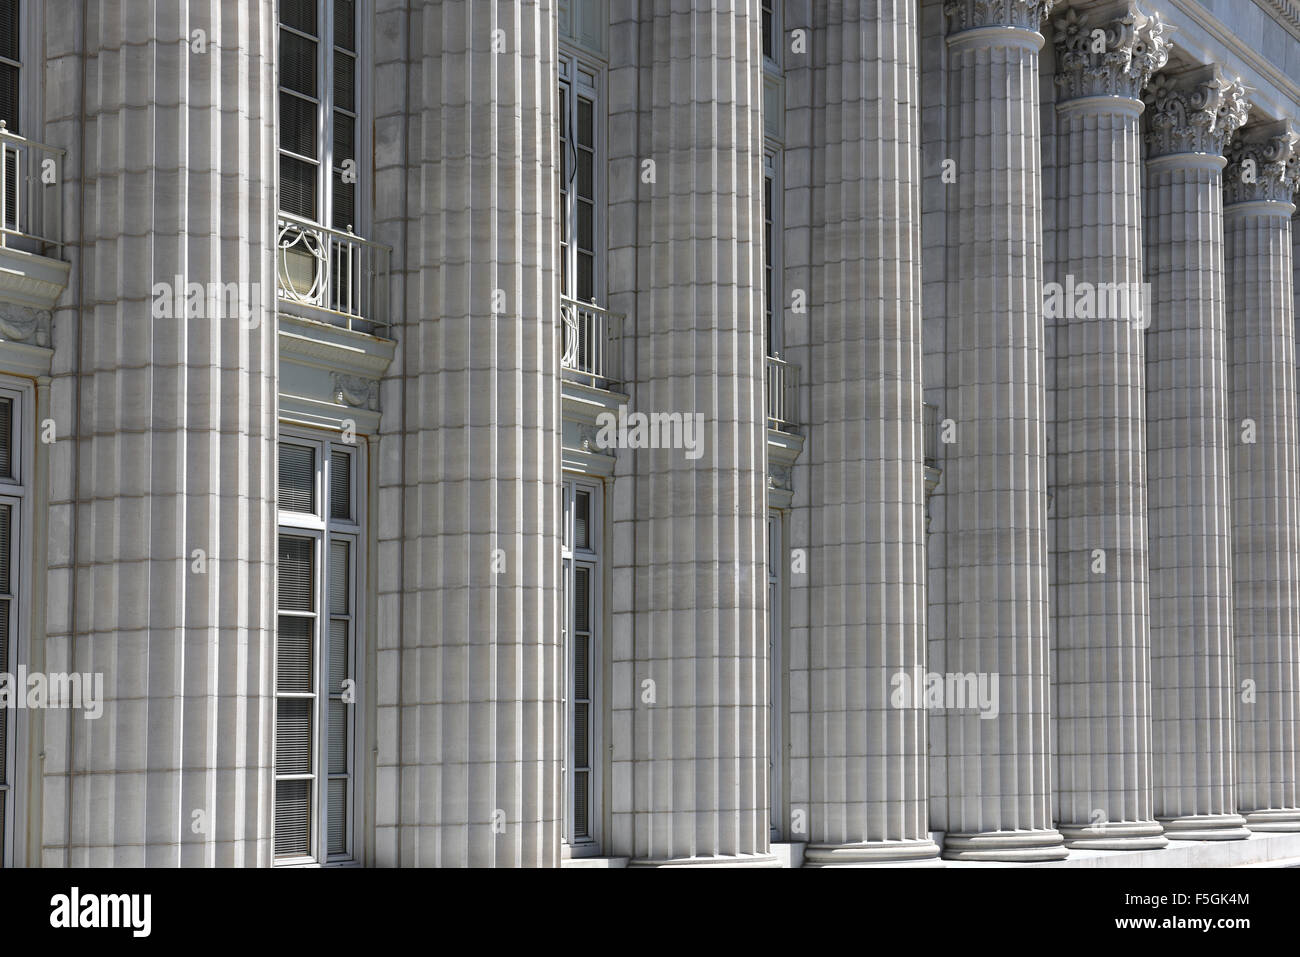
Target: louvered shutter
(297, 478)
(292, 818)
(582, 520)
(337, 842)
(340, 485)
(7, 439)
(293, 736)
(294, 655)
(295, 577)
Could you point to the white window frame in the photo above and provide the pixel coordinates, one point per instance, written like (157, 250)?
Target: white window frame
(582, 74)
(591, 558)
(323, 531)
(361, 92)
(776, 674)
(14, 491)
(31, 15)
(772, 156)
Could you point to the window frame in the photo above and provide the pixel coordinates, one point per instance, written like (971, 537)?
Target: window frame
(15, 492)
(31, 21)
(323, 531)
(592, 558)
(574, 65)
(776, 673)
(325, 108)
(773, 260)
(771, 63)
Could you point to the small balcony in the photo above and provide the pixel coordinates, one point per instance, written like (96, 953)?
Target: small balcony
(31, 196)
(591, 344)
(782, 395)
(333, 276)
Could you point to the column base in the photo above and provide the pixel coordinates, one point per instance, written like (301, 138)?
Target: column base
(736, 860)
(1205, 827)
(1010, 846)
(1115, 836)
(1282, 819)
(870, 853)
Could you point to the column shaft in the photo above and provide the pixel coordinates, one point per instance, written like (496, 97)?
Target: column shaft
(469, 632)
(1101, 648)
(999, 763)
(866, 655)
(1187, 455)
(1265, 461)
(165, 451)
(693, 680)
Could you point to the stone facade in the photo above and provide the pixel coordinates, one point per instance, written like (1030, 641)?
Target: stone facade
(608, 433)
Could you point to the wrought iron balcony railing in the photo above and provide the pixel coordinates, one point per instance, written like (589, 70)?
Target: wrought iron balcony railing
(339, 274)
(591, 343)
(31, 195)
(782, 395)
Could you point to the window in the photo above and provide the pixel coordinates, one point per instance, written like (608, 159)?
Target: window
(771, 30)
(318, 598)
(319, 75)
(12, 499)
(582, 590)
(776, 672)
(772, 292)
(11, 40)
(582, 242)
(12, 36)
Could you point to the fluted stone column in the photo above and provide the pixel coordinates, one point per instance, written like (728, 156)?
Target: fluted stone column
(162, 518)
(692, 677)
(1262, 175)
(469, 742)
(1099, 591)
(869, 798)
(1190, 117)
(999, 767)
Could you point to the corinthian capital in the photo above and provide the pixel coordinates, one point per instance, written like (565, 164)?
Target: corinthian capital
(1263, 164)
(1110, 53)
(970, 14)
(1194, 112)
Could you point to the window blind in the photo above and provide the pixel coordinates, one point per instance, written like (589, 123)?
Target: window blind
(297, 478)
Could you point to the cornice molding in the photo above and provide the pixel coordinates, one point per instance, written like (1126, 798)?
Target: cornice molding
(1285, 12)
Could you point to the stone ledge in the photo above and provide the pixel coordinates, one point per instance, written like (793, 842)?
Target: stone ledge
(1259, 850)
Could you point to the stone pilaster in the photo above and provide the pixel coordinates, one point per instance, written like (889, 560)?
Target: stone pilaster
(162, 475)
(999, 766)
(869, 797)
(1189, 119)
(1262, 175)
(469, 515)
(692, 679)
(1101, 637)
